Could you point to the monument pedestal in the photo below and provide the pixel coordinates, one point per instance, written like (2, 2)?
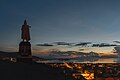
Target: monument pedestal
(24, 52)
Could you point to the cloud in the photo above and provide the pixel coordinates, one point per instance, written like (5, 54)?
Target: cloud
(55, 43)
(103, 45)
(83, 44)
(117, 42)
(62, 54)
(45, 44)
(95, 45)
(63, 43)
(81, 49)
(71, 54)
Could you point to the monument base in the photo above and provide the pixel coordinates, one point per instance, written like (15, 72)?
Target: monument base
(25, 48)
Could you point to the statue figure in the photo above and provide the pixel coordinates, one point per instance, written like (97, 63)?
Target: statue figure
(25, 32)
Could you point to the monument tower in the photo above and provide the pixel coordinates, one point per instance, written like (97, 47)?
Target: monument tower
(25, 46)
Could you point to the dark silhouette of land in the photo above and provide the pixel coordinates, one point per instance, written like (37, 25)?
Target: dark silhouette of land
(29, 71)
(10, 70)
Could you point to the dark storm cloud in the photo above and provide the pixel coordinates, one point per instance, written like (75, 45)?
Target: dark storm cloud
(45, 44)
(103, 45)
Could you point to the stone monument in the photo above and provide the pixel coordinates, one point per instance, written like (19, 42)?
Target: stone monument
(25, 54)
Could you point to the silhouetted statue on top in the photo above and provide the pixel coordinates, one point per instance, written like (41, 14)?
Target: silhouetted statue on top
(25, 32)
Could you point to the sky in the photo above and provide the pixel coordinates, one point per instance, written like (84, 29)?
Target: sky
(71, 21)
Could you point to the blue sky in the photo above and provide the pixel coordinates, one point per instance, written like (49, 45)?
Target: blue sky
(59, 20)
